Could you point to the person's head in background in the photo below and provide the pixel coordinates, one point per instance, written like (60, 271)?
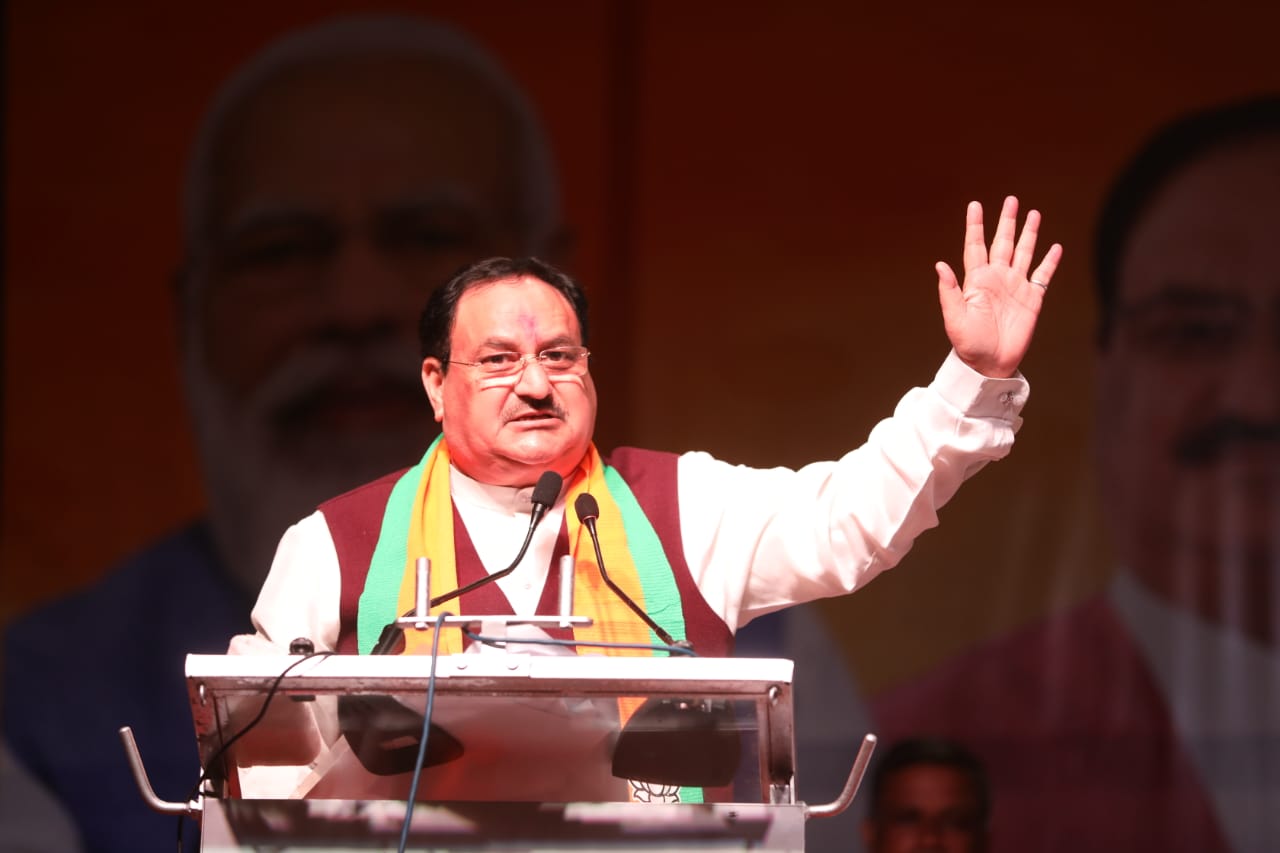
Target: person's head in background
(1188, 420)
(338, 178)
(927, 794)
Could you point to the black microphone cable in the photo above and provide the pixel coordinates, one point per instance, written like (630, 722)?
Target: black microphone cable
(262, 712)
(426, 731)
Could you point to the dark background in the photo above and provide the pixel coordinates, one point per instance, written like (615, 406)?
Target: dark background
(758, 192)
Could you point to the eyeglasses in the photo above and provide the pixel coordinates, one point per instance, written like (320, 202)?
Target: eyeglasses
(556, 361)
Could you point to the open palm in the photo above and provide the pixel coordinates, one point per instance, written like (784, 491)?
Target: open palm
(991, 317)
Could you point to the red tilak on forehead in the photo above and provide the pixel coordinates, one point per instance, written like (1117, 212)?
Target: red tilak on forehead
(529, 323)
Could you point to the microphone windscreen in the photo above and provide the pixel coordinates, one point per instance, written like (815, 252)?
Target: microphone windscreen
(547, 489)
(586, 507)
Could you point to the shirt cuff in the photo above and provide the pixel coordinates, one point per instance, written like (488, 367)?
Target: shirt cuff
(978, 396)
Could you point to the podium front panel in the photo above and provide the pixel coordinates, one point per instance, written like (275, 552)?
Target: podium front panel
(504, 727)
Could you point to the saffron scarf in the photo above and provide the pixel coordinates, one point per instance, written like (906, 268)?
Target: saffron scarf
(418, 521)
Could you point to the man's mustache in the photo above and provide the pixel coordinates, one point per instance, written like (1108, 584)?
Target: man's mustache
(310, 376)
(1206, 444)
(534, 406)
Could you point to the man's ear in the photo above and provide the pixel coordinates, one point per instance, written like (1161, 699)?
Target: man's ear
(433, 383)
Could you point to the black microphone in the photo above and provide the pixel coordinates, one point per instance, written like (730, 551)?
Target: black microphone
(544, 496)
(588, 511)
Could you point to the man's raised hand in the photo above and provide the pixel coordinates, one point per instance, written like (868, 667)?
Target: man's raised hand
(991, 317)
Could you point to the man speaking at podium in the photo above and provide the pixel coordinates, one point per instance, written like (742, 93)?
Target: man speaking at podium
(699, 545)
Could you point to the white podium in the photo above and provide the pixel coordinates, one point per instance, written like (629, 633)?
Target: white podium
(523, 752)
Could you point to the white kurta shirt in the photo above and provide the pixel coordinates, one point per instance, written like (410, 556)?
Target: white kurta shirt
(755, 540)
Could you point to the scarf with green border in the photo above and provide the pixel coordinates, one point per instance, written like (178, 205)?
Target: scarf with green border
(418, 521)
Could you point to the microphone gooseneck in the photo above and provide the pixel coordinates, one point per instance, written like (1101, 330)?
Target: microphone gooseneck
(543, 498)
(588, 511)
(545, 493)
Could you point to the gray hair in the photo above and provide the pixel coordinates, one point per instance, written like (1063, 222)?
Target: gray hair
(378, 35)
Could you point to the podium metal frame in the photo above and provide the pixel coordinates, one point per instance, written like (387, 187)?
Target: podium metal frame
(233, 822)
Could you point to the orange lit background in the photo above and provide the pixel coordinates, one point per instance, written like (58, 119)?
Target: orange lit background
(761, 188)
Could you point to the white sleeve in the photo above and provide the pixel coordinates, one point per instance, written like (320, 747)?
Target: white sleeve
(301, 595)
(759, 540)
(300, 598)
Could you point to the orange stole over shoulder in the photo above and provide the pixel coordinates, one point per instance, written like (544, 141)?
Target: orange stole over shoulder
(418, 521)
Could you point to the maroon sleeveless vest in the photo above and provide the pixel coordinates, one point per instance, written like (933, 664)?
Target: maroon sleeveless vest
(355, 520)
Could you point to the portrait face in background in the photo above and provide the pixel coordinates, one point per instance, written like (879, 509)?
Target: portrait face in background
(509, 430)
(1189, 383)
(926, 807)
(338, 193)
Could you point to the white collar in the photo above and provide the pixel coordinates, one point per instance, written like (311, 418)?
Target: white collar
(1223, 693)
(510, 500)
